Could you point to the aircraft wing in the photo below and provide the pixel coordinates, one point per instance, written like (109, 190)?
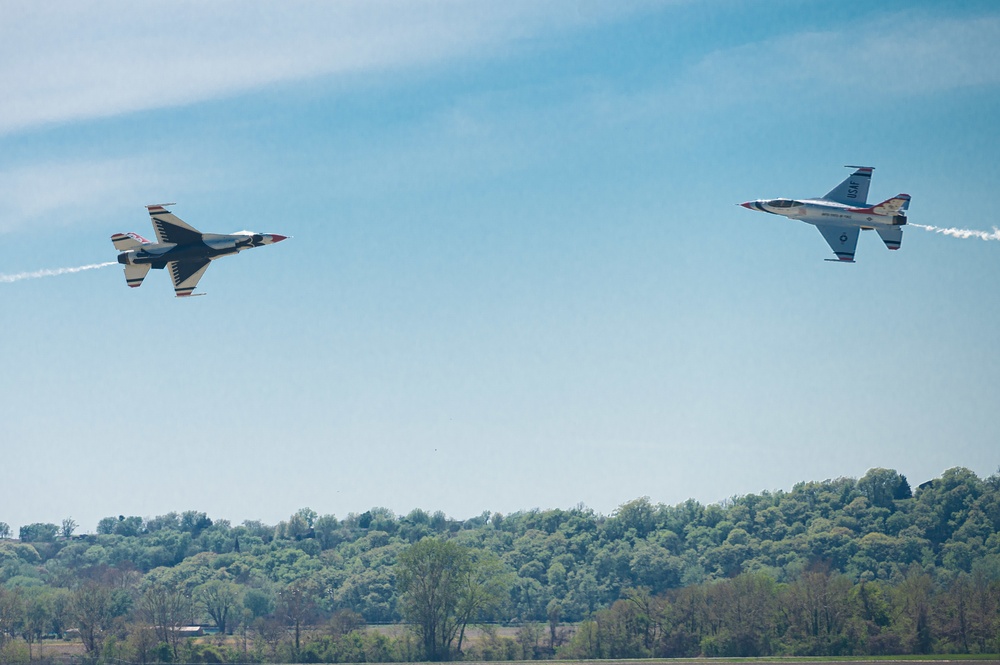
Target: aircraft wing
(842, 240)
(170, 228)
(186, 275)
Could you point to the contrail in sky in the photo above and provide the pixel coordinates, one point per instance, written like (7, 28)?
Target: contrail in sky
(17, 277)
(961, 233)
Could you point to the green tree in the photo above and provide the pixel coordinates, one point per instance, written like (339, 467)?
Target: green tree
(258, 602)
(11, 613)
(297, 603)
(166, 608)
(984, 607)
(308, 515)
(38, 617)
(327, 530)
(299, 525)
(129, 526)
(96, 610)
(648, 616)
(816, 608)
(69, 525)
(745, 609)
(194, 522)
(38, 532)
(140, 643)
(638, 516)
(884, 486)
(432, 575)
(913, 597)
(106, 526)
(483, 592)
(168, 521)
(554, 612)
(219, 599)
(585, 643)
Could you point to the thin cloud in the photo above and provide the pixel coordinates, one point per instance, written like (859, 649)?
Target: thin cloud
(881, 60)
(65, 60)
(895, 56)
(71, 192)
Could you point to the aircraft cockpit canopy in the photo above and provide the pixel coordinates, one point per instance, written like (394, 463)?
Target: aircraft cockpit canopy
(783, 203)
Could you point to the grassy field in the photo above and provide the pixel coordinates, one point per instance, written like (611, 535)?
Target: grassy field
(62, 649)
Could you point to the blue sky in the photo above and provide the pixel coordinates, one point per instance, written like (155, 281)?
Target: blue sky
(518, 277)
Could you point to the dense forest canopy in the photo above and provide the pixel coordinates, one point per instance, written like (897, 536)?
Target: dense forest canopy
(880, 558)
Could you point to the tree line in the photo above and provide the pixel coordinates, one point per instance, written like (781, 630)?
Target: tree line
(836, 567)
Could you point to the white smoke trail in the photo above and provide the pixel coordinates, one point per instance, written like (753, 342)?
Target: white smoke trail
(17, 277)
(961, 233)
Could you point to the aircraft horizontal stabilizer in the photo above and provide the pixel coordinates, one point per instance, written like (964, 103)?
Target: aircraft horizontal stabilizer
(134, 274)
(892, 237)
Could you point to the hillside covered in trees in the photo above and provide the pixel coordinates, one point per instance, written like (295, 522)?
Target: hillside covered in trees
(839, 567)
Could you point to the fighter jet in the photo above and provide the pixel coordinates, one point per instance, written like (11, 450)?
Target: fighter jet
(186, 251)
(844, 212)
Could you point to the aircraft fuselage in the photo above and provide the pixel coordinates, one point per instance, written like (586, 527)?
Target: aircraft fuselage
(826, 213)
(212, 246)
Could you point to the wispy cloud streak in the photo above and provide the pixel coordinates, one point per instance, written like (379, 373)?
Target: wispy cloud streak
(70, 60)
(51, 272)
(70, 193)
(960, 233)
(898, 55)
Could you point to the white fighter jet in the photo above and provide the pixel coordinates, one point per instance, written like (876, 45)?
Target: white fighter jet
(843, 213)
(183, 249)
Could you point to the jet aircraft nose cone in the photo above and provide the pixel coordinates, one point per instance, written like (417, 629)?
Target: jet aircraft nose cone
(276, 238)
(748, 205)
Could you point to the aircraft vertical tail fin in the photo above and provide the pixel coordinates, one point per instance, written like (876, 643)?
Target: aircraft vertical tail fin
(125, 242)
(897, 204)
(854, 190)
